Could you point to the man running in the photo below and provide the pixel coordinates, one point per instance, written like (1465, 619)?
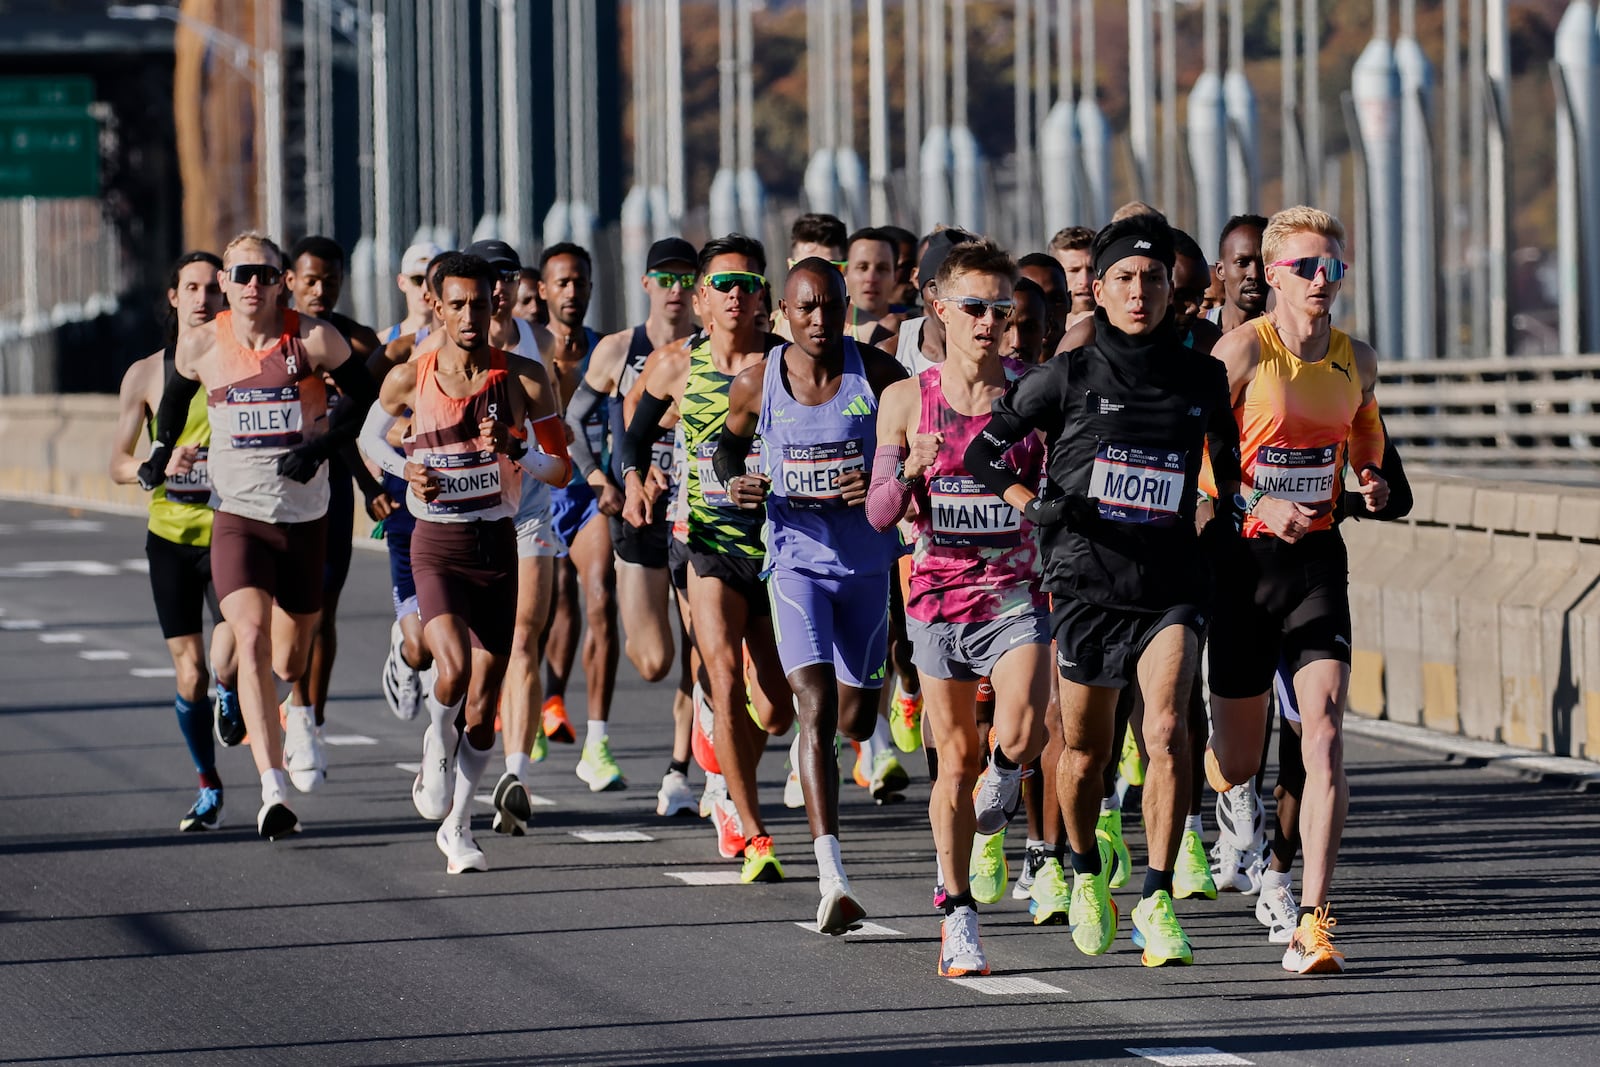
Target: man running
(1240, 272)
(467, 402)
(412, 282)
(975, 608)
(1125, 421)
(271, 435)
(178, 539)
(814, 406)
(1071, 246)
(1046, 272)
(1030, 318)
(869, 277)
(1304, 396)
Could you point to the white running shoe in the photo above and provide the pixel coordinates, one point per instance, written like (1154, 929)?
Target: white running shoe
(715, 789)
(1277, 911)
(675, 797)
(960, 949)
(433, 791)
(998, 794)
(1241, 822)
(402, 683)
(1227, 868)
(839, 911)
(303, 755)
(1254, 871)
(461, 851)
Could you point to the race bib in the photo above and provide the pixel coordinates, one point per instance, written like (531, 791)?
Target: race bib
(267, 417)
(193, 486)
(1138, 485)
(468, 481)
(964, 514)
(712, 491)
(810, 473)
(663, 456)
(1303, 475)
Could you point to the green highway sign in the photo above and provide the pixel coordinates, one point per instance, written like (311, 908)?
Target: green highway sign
(72, 91)
(49, 152)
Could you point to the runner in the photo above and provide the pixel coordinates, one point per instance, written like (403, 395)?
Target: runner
(1025, 330)
(817, 234)
(905, 265)
(975, 608)
(1304, 393)
(728, 601)
(529, 307)
(1240, 272)
(1125, 421)
(1071, 246)
(814, 404)
(468, 402)
(1047, 273)
(412, 282)
(178, 541)
(271, 433)
(869, 276)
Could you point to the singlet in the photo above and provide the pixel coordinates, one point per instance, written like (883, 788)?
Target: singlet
(974, 557)
(180, 508)
(596, 424)
(810, 529)
(908, 350)
(716, 524)
(661, 454)
(1295, 421)
(475, 484)
(260, 405)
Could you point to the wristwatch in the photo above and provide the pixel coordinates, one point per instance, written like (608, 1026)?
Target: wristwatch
(900, 476)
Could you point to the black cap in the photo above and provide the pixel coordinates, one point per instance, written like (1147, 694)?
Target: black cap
(670, 250)
(939, 246)
(495, 253)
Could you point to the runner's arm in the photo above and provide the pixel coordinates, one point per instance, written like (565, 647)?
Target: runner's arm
(1036, 402)
(345, 419)
(131, 409)
(888, 495)
(584, 400)
(739, 429)
(176, 394)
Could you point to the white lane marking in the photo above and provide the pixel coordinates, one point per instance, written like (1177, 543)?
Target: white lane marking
(67, 525)
(61, 637)
(348, 739)
(153, 672)
(138, 566)
(48, 568)
(996, 986)
(410, 768)
(99, 655)
(866, 929)
(705, 877)
(487, 800)
(609, 837)
(1190, 1056)
(21, 624)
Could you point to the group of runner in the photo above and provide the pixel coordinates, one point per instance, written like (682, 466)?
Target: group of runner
(924, 495)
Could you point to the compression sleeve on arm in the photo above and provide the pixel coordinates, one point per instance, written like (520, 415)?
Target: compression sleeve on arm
(360, 391)
(1366, 437)
(643, 429)
(374, 441)
(731, 452)
(887, 495)
(176, 395)
(550, 462)
(985, 456)
(579, 408)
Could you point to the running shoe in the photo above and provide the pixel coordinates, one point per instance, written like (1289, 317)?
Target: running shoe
(889, 778)
(228, 717)
(760, 863)
(839, 912)
(989, 871)
(1130, 766)
(700, 743)
(960, 949)
(1227, 868)
(1032, 860)
(402, 683)
(513, 810)
(275, 821)
(1156, 930)
(1191, 876)
(730, 833)
(1311, 948)
(715, 787)
(433, 790)
(541, 744)
(598, 770)
(939, 896)
(1241, 822)
(1109, 828)
(303, 754)
(461, 851)
(794, 795)
(206, 812)
(1092, 913)
(557, 727)
(996, 797)
(1051, 900)
(905, 719)
(1277, 910)
(859, 774)
(675, 797)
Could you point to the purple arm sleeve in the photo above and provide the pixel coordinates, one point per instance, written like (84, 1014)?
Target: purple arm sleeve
(887, 496)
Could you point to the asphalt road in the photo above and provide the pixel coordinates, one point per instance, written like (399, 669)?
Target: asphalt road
(1468, 903)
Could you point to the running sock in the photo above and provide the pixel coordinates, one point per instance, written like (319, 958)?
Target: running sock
(1193, 823)
(1003, 761)
(679, 765)
(470, 765)
(1271, 879)
(194, 723)
(1058, 852)
(882, 739)
(441, 716)
(963, 899)
(291, 710)
(520, 765)
(1306, 909)
(868, 751)
(1156, 881)
(1032, 843)
(829, 865)
(938, 869)
(1086, 862)
(274, 786)
(1111, 803)
(594, 732)
(211, 780)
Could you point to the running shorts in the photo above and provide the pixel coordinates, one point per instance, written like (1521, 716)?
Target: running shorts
(967, 651)
(285, 559)
(678, 564)
(741, 573)
(643, 546)
(180, 581)
(1100, 646)
(469, 569)
(536, 530)
(572, 509)
(842, 621)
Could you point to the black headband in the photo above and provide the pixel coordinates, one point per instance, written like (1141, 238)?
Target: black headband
(1133, 244)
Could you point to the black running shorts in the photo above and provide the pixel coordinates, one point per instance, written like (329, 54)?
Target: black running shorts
(180, 581)
(1100, 646)
(741, 573)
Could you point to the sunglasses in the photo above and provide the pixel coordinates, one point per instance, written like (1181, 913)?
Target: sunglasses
(745, 281)
(245, 273)
(977, 307)
(671, 279)
(416, 279)
(1307, 266)
(511, 277)
(839, 264)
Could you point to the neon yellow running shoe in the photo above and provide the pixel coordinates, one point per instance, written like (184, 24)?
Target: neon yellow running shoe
(905, 719)
(598, 770)
(541, 745)
(1051, 899)
(1092, 913)
(989, 872)
(760, 863)
(1110, 828)
(1191, 875)
(1130, 766)
(1156, 930)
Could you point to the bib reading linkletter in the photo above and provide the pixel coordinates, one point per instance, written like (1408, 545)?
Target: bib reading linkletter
(811, 473)
(264, 417)
(964, 514)
(468, 481)
(1138, 485)
(1303, 475)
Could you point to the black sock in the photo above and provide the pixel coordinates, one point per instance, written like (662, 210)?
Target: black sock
(1304, 911)
(1155, 881)
(1058, 852)
(1086, 862)
(959, 900)
(1003, 761)
(679, 765)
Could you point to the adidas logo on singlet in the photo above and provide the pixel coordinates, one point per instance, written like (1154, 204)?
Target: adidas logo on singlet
(859, 406)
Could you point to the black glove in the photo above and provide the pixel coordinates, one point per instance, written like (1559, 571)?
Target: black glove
(153, 471)
(1073, 511)
(300, 463)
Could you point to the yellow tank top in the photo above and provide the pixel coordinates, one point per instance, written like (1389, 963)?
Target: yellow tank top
(180, 509)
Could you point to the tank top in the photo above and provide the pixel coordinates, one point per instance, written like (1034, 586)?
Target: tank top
(475, 484)
(661, 455)
(908, 350)
(810, 529)
(260, 405)
(715, 524)
(974, 557)
(180, 508)
(1295, 421)
(678, 509)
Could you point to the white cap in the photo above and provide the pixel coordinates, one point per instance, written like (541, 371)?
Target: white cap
(418, 256)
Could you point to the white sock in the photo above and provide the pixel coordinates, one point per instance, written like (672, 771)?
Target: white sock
(594, 731)
(441, 717)
(291, 710)
(794, 753)
(938, 867)
(470, 765)
(1110, 803)
(867, 752)
(1034, 843)
(1271, 879)
(904, 690)
(1193, 823)
(882, 740)
(829, 866)
(519, 765)
(274, 786)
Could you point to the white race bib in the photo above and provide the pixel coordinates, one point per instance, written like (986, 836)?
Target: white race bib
(1303, 475)
(712, 491)
(264, 417)
(964, 514)
(810, 473)
(468, 481)
(1138, 485)
(193, 486)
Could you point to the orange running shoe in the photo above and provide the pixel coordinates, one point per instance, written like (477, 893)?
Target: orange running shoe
(702, 719)
(730, 833)
(862, 774)
(760, 862)
(557, 727)
(1311, 948)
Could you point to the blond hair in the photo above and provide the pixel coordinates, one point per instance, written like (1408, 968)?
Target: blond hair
(1136, 207)
(1296, 220)
(257, 238)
